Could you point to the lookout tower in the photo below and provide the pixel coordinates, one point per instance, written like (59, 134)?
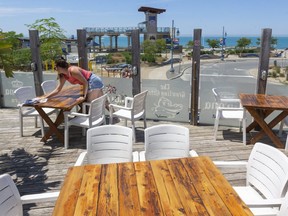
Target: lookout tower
(150, 23)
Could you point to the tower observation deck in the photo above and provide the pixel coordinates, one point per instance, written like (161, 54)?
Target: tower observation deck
(148, 28)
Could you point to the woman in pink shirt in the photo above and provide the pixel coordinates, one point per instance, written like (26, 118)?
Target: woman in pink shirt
(92, 84)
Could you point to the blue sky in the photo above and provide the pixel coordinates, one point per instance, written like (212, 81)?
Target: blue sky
(240, 18)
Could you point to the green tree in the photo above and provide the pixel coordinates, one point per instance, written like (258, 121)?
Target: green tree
(160, 45)
(9, 42)
(242, 43)
(150, 50)
(51, 36)
(213, 43)
(274, 42)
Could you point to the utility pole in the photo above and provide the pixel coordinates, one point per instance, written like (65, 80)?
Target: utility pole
(172, 47)
(223, 43)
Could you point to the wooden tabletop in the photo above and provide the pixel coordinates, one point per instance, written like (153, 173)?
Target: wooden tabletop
(66, 99)
(260, 106)
(264, 101)
(187, 186)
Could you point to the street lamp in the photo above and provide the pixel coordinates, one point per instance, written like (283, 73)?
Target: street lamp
(172, 44)
(223, 43)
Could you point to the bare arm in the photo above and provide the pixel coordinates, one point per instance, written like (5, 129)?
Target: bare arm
(58, 88)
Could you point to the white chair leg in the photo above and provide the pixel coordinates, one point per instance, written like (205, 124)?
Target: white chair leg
(244, 122)
(125, 122)
(286, 144)
(36, 121)
(66, 130)
(133, 129)
(145, 123)
(21, 125)
(216, 124)
(281, 128)
(42, 126)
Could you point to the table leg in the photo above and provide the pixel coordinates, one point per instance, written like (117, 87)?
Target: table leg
(267, 128)
(52, 126)
(254, 124)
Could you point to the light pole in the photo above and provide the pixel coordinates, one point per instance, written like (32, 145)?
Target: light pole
(223, 43)
(172, 47)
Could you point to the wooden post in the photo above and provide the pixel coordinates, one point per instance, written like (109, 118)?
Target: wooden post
(136, 83)
(36, 64)
(264, 61)
(82, 48)
(195, 78)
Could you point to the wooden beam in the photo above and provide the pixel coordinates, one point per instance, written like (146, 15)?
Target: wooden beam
(36, 64)
(264, 61)
(82, 48)
(195, 76)
(136, 83)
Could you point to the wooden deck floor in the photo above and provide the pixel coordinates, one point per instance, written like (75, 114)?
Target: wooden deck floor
(37, 167)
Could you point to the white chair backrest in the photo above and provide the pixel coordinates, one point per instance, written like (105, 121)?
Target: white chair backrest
(97, 108)
(139, 102)
(48, 86)
(216, 95)
(166, 141)
(267, 171)
(10, 201)
(109, 144)
(24, 93)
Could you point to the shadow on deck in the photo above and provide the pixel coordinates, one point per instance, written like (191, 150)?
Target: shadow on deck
(37, 167)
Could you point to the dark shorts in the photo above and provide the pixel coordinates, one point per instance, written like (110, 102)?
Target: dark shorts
(95, 82)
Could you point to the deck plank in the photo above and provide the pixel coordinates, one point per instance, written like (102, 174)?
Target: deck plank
(38, 167)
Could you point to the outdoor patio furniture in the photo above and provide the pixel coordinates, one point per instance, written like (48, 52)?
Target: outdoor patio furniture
(48, 86)
(224, 111)
(11, 202)
(261, 106)
(95, 117)
(133, 110)
(28, 93)
(266, 176)
(182, 186)
(166, 141)
(108, 144)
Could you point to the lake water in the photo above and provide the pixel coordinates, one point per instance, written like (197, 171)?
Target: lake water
(282, 42)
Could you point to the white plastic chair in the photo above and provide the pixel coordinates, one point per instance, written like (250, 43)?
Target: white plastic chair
(48, 86)
(95, 117)
(225, 112)
(283, 122)
(25, 93)
(108, 144)
(11, 203)
(276, 207)
(266, 176)
(166, 142)
(133, 110)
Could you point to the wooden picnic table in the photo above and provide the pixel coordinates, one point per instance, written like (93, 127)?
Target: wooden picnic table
(186, 186)
(260, 106)
(65, 100)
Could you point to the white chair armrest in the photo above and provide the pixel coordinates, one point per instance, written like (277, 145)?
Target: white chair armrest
(81, 159)
(193, 153)
(230, 163)
(230, 108)
(78, 114)
(119, 107)
(43, 197)
(230, 100)
(135, 156)
(142, 156)
(264, 203)
(127, 99)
